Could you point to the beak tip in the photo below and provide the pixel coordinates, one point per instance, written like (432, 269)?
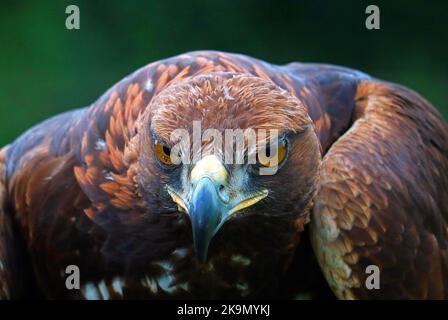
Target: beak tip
(201, 248)
(202, 258)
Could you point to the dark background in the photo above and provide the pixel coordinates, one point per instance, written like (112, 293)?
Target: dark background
(46, 69)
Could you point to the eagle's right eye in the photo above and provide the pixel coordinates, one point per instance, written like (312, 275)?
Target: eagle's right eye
(163, 153)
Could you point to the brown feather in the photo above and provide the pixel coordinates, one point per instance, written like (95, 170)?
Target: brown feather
(396, 149)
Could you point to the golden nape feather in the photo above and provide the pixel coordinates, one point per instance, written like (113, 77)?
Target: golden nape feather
(348, 183)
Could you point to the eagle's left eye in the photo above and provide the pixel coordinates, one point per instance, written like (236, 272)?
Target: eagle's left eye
(273, 157)
(163, 153)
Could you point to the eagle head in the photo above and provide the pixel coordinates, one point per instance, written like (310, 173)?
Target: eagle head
(225, 148)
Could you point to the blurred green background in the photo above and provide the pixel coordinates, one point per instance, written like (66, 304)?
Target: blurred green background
(46, 69)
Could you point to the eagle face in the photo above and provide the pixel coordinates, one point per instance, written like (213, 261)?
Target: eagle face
(233, 154)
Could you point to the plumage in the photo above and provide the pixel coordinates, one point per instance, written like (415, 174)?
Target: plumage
(367, 164)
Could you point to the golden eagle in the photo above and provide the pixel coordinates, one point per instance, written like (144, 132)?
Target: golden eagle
(363, 160)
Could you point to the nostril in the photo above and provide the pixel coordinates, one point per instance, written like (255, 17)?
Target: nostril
(221, 187)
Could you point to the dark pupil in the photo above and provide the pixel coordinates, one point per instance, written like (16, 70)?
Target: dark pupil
(268, 151)
(166, 150)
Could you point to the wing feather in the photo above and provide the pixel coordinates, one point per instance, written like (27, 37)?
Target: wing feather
(15, 277)
(382, 199)
(5, 236)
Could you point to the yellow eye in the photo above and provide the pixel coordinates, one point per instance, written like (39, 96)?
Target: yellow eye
(163, 153)
(272, 157)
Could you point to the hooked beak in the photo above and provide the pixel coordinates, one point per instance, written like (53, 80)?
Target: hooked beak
(208, 213)
(209, 204)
